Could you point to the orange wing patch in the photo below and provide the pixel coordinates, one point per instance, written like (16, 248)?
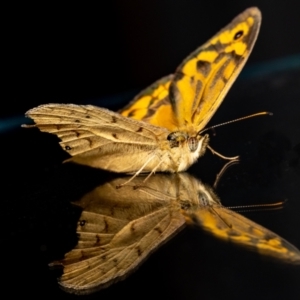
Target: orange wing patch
(152, 105)
(188, 100)
(204, 78)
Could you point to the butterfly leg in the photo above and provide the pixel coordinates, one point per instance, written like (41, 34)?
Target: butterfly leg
(224, 168)
(138, 172)
(222, 156)
(153, 171)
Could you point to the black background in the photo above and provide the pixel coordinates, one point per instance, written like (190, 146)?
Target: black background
(76, 53)
(79, 54)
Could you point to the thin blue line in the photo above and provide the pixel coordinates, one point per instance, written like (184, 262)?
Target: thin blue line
(12, 123)
(266, 68)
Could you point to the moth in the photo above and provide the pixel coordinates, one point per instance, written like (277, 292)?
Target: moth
(161, 129)
(119, 228)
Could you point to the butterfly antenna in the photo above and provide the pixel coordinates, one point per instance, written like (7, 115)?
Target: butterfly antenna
(224, 168)
(263, 113)
(258, 207)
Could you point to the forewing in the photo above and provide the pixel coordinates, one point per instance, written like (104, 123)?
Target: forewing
(204, 78)
(93, 135)
(115, 236)
(153, 106)
(231, 226)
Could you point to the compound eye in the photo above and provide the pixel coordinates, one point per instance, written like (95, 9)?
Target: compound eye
(171, 136)
(202, 199)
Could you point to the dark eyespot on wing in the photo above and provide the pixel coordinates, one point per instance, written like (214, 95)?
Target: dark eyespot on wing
(132, 229)
(238, 35)
(77, 133)
(158, 229)
(139, 251)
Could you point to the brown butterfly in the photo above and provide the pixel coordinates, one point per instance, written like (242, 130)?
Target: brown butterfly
(119, 228)
(163, 132)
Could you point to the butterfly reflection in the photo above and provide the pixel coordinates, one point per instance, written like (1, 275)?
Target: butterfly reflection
(119, 228)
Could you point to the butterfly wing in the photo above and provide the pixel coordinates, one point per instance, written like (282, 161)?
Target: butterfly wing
(204, 78)
(153, 106)
(231, 226)
(98, 137)
(194, 93)
(117, 230)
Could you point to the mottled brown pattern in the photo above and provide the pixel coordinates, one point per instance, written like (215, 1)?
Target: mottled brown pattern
(152, 110)
(106, 228)
(132, 229)
(203, 67)
(98, 240)
(269, 236)
(144, 219)
(158, 229)
(219, 74)
(139, 251)
(219, 58)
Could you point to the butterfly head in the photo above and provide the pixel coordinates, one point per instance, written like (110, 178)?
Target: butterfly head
(206, 197)
(196, 143)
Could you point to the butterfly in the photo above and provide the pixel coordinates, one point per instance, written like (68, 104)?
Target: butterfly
(161, 128)
(118, 229)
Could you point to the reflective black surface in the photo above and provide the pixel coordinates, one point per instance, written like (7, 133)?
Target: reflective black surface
(38, 221)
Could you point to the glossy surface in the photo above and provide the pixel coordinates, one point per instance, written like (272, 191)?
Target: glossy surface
(38, 222)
